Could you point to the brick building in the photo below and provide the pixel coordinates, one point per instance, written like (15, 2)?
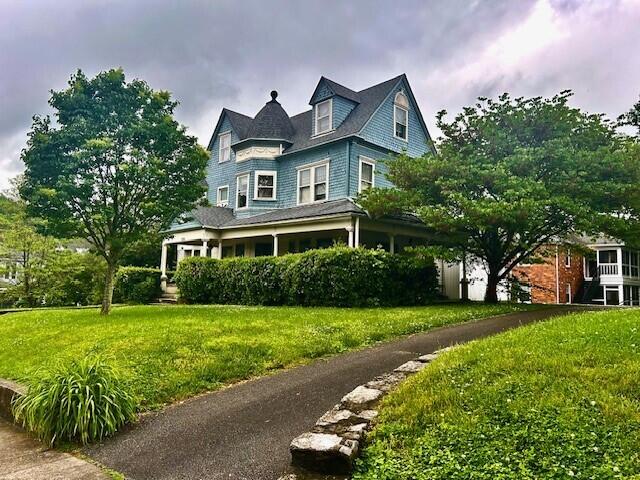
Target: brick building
(558, 279)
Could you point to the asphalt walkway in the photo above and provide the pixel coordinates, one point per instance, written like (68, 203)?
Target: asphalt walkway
(243, 432)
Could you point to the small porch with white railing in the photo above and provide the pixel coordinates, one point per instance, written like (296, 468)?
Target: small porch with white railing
(614, 275)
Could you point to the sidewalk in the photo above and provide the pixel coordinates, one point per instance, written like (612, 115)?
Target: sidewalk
(23, 458)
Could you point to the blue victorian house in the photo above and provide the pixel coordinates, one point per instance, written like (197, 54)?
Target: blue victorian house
(279, 184)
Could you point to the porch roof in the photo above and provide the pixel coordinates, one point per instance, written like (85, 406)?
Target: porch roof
(222, 218)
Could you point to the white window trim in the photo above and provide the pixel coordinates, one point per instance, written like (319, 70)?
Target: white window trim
(315, 117)
(272, 173)
(248, 175)
(220, 146)
(312, 181)
(219, 203)
(368, 161)
(567, 259)
(395, 106)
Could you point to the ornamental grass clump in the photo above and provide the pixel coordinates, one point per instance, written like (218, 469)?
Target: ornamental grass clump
(85, 400)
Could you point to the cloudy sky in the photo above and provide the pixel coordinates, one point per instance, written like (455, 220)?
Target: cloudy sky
(218, 53)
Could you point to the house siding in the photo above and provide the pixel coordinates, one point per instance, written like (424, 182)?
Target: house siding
(341, 110)
(380, 128)
(220, 174)
(288, 178)
(378, 155)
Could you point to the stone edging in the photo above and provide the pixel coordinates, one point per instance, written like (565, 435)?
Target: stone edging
(8, 390)
(334, 442)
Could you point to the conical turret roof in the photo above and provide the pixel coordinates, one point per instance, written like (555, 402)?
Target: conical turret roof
(271, 122)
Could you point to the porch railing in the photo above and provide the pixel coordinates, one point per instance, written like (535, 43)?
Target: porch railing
(608, 269)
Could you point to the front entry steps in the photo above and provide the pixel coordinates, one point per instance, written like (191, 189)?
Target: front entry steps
(170, 295)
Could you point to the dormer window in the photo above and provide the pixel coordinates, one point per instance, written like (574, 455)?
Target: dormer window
(225, 147)
(401, 117)
(323, 117)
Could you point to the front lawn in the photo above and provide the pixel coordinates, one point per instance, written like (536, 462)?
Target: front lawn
(559, 399)
(175, 352)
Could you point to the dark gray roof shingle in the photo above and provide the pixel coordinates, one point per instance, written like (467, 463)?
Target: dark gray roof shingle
(340, 90)
(369, 100)
(212, 216)
(271, 122)
(333, 207)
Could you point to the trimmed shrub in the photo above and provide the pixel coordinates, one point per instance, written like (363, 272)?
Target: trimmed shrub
(137, 285)
(339, 276)
(84, 401)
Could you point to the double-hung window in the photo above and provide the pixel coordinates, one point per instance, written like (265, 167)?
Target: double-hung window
(225, 147)
(313, 183)
(323, 117)
(242, 190)
(401, 117)
(265, 187)
(367, 173)
(223, 196)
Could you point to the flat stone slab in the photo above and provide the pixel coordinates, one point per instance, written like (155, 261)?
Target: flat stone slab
(386, 382)
(361, 398)
(8, 390)
(326, 453)
(429, 357)
(412, 366)
(22, 457)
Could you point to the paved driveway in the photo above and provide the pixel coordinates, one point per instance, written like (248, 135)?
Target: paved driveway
(243, 432)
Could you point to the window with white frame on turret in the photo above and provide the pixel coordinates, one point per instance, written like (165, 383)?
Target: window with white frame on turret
(313, 183)
(225, 147)
(323, 116)
(242, 189)
(401, 116)
(265, 187)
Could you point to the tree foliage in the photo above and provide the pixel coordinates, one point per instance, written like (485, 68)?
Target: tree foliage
(113, 167)
(511, 175)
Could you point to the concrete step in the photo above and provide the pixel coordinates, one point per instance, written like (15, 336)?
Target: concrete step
(172, 288)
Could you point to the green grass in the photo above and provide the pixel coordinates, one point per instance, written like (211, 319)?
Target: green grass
(554, 400)
(171, 353)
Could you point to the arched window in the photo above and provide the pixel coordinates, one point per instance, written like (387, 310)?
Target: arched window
(401, 116)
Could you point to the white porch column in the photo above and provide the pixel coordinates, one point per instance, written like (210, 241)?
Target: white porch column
(216, 250)
(350, 230)
(203, 251)
(163, 267)
(356, 238)
(275, 244)
(180, 253)
(392, 244)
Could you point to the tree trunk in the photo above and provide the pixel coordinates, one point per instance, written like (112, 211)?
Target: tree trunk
(491, 295)
(107, 295)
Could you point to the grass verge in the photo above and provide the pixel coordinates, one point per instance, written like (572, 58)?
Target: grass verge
(555, 400)
(170, 353)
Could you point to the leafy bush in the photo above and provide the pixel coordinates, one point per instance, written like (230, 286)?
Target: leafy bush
(84, 401)
(336, 276)
(137, 285)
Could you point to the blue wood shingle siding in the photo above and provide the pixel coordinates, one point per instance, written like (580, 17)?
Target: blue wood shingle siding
(375, 141)
(380, 128)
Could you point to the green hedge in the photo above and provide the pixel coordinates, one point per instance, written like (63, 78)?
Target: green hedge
(340, 276)
(137, 285)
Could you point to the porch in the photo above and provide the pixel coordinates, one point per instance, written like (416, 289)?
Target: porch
(263, 235)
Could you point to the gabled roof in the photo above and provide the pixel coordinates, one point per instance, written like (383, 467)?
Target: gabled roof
(369, 101)
(337, 89)
(271, 124)
(239, 122)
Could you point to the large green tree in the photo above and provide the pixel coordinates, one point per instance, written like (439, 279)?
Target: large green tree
(512, 175)
(113, 167)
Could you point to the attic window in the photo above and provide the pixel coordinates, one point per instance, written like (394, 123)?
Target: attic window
(225, 147)
(401, 117)
(323, 117)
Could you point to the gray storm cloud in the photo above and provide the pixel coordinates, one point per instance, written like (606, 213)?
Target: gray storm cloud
(230, 53)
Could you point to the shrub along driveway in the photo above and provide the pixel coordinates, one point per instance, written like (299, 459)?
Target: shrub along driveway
(243, 432)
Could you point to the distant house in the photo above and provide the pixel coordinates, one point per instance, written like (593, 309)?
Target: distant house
(279, 184)
(609, 274)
